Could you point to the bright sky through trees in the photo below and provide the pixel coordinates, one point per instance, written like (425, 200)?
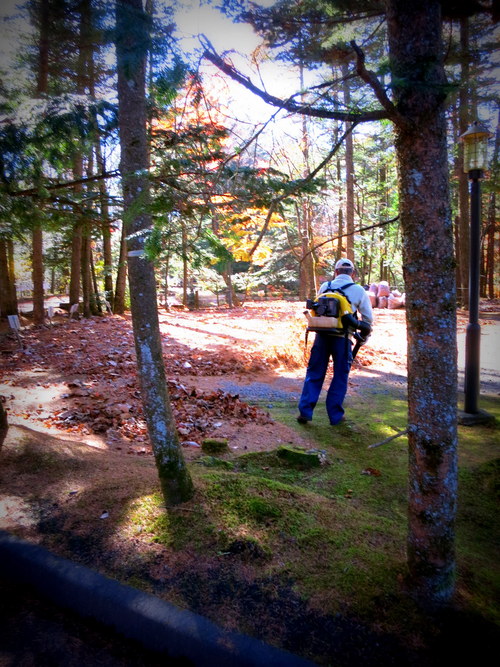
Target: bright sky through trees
(239, 43)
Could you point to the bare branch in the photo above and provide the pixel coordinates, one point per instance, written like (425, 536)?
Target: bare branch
(356, 231)
(290, 105)
(392, 437)
(298, 186)
(372, 80)
(34, 192)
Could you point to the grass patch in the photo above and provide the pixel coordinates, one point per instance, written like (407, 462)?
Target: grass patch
(264, 538)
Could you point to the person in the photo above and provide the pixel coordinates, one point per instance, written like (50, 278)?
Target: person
(337, 346)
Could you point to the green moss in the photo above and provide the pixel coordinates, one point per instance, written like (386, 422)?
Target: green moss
(300, 457)
(214, 462)
(260, 509)
(214, 445)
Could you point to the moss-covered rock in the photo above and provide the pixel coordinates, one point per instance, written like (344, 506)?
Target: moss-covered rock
(214, 445)
(304, 458)
(214, 462)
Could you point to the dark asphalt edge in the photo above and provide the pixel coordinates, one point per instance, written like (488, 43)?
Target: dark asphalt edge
(158, 625)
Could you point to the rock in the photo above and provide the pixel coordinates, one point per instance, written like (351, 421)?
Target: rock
(214, 445)
(312, 458)
(214, 462)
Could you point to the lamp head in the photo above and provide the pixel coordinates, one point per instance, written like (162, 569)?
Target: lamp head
(475, 140)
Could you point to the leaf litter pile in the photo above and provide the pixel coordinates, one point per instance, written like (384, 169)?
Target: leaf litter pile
(97, 359)
(89, 365)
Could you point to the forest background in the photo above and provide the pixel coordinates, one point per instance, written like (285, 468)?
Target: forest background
(224, 166)
(236, 207)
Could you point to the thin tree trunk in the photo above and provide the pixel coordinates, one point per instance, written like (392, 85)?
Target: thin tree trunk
(76, 255)
(86, 279)
(341, 231)
(121, 276)
(8, 306)
(37, 233)
(37, 274)
(95, 305)
(12, 273)
(349, 171)
(104, 209)
(306, 228)
(131, 45)
(185, 273)
(105, 227)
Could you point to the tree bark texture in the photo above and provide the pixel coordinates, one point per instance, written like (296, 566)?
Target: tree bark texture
(76, 238)
(463, 181)
(131, 44)
(416, 67)
(121, 276)
(8, 305)
(12, 274)
(349, 173)
(105, 226)
(37, 273)
(85, 268)
(37, 232)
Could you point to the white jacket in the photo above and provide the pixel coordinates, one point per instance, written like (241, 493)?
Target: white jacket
(357, 295)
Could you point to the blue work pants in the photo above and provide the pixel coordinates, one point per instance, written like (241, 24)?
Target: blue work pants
(339, 348)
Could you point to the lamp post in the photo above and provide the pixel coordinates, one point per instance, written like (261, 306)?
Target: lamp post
(475, 141)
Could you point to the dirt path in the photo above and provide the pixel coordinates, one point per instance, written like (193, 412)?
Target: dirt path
(77, 379)
(72, 394)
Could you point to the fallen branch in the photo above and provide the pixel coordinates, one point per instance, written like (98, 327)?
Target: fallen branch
(392, 437)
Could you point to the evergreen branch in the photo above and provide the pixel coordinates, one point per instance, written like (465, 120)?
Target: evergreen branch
(30, 192)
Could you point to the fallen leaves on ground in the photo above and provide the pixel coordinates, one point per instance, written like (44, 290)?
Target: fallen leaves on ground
(97, 358)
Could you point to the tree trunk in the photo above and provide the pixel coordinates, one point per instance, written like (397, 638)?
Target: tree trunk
(104, 208)
(37, 234)
(417, 70)
(185, 273)
(463, 181)
(12, 273)
(4, 423)
(105, 227)
(349, 172)
(95, 303)
(308, 277)
(131, 45)
(491, 218)
(37, 274)
(76, 240)
(8, 305)
(86, 277)
(121, 276)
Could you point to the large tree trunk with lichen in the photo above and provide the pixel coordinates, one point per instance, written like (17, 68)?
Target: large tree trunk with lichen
(464, 112)
(131, 46)
(416, 67)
